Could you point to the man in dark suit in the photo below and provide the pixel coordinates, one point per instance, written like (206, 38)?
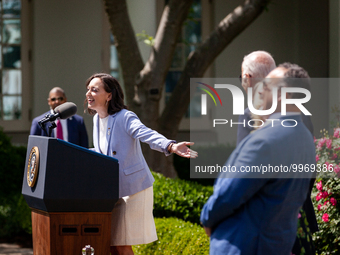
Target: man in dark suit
(72, 129)
(250, 215)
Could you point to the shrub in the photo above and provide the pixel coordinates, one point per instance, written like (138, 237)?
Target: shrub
(210, 155)
(173, 197)
(12, 160)
(326, 194)
(176, 236)
(15, 217)
(15, 214)
(179, 198)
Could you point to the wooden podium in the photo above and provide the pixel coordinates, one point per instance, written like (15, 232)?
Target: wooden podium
(71, 191)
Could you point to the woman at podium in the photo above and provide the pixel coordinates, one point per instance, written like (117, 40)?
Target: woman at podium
(116, 133)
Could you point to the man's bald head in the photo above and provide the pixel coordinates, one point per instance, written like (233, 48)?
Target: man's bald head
(255, 67)
(57, 89)
(56, 97)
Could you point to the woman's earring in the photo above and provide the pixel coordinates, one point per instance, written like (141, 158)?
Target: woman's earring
(106, 103)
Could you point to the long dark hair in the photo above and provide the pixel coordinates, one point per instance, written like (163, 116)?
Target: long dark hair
(111, 85)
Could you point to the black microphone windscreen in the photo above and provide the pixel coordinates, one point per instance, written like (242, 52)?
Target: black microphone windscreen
(66, 110)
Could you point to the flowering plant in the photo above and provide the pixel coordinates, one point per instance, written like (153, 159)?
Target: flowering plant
(326, 194)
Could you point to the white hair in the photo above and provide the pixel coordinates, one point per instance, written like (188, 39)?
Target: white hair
(258, 64)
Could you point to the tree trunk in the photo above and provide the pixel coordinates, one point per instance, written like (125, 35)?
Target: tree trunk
(144, 83)
(199, 60)
(129, 56)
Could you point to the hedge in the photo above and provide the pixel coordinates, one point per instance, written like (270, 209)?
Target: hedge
(326, 194)
(172, 197)
(179, 198)
(15, 217)
(176, 236)
(12, 166)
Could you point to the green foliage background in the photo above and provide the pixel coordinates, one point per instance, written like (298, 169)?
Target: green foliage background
(176, 236)
(326, 194)
(15, 217)
(179, 198)
(177, 204)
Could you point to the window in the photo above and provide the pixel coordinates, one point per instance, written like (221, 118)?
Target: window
(15, 66)
(190, 37)
(10, 48)
(196, 27)
(114, 64)
(110, 61)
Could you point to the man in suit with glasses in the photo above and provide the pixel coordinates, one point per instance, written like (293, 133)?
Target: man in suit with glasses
(72, 130)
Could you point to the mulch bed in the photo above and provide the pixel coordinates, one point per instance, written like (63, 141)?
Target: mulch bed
(22, 239)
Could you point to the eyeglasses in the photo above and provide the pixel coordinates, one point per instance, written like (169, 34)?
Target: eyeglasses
(247, 75)
(57, 98)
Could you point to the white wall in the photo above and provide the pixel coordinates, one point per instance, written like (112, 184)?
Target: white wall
(67, 47)
(143, 17)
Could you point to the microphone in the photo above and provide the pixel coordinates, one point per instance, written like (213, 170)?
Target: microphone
(66, 110)
(63, 111)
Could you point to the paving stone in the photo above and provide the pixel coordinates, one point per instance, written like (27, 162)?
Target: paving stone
(14, 249)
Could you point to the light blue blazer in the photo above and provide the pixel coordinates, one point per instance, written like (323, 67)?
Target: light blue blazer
(124, 133)
(259, 216)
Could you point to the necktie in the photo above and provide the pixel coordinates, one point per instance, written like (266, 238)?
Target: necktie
(59, 130)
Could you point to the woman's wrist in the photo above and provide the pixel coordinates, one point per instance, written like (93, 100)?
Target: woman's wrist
(170, 150)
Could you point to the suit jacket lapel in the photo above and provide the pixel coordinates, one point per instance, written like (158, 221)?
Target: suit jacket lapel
(70, 130)
(96, 132)
(110, 124)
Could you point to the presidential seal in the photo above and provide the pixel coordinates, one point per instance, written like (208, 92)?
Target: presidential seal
(33, 166)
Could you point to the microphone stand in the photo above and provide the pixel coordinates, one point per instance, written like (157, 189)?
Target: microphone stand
(50, 128)
(43, 122)
(62, 111)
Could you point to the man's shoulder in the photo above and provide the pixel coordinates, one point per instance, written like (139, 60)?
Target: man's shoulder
(77, 117)
(38, 118)
(76, 120)
(283, 133)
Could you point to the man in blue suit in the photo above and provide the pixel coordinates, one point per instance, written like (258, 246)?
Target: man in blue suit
(257, 213)
(73, 129)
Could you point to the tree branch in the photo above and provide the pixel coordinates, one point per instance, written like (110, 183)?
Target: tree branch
(169, 29)
(199, 60)
(127, 48)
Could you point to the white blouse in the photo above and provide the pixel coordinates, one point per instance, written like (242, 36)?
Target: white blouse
(102, 134)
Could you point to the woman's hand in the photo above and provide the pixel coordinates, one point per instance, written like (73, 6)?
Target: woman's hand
(182, 150)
